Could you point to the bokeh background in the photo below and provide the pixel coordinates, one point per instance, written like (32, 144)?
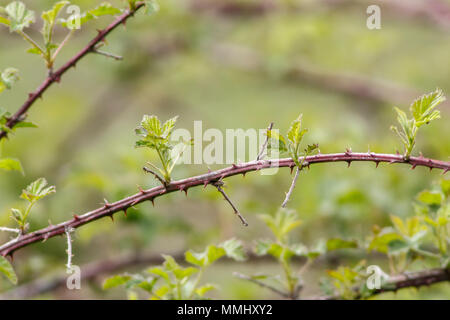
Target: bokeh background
(231, 64)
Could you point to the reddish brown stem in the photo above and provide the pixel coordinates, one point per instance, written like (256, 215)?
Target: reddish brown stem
(56, 76)
(208, 178)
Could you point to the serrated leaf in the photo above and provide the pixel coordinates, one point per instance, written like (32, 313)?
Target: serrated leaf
(205, 258)
(282, 223)
(160, 272)
(7, 270)
(116, 281)
(296, 133)
(381, 241)
(423, 108)
(49, 18)
(180, 273)
(37, 190)
(19, 16)
(234, 249)
(10, 164)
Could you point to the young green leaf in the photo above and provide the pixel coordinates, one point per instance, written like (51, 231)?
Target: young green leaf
(7, 270)
(8, 77)
(116, 281)
(282, 223)
(423, 112)
(103, 9)
(10, 164)
(49, 18)
(37, 190)
(19, 16)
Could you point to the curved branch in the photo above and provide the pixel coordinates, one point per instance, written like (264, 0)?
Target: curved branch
(56, 76)
(183, 185)
(405, 280)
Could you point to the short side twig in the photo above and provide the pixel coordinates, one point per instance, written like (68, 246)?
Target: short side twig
(291, 189)
(264, 146)
(68, 231)
(219, 185)
(157, 176)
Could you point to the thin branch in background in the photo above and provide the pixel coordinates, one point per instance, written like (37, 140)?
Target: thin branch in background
(219, 185)
(261, 284)
(261, 154)
(56, 76)
(106, 54)
(205, 179)
(68, 231)
(291, 188)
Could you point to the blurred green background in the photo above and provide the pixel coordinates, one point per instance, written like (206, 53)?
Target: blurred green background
(231, 64)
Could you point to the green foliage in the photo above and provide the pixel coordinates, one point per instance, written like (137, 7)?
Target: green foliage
(423, 112)
(34, 192)
(156, 136)
(7, 270)
(283, 250)
(292, 144)
(10, 164)
(7, 78)
(17, 17)
(103, 9)
(346, 279)
(170, 281)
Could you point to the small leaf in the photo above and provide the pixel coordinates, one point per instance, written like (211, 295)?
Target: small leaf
(234, 249)
(49, 18)
(7, 270)
(19, 16)
(430, 197)
(151, 6)
(116, 281)
(204, 289)
(10, 164)
(205, 258)
(9, 77)
(423, 108)
(37, 190)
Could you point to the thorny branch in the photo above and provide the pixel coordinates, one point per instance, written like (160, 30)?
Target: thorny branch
(405, 280)
(183, 185)
(20, 114)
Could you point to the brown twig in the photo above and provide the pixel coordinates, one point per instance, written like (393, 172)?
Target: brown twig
(264, 146)
(56, 76)
(219, 185)
(183, 185)
(406, 280)
(157, 176)
(291, 188)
